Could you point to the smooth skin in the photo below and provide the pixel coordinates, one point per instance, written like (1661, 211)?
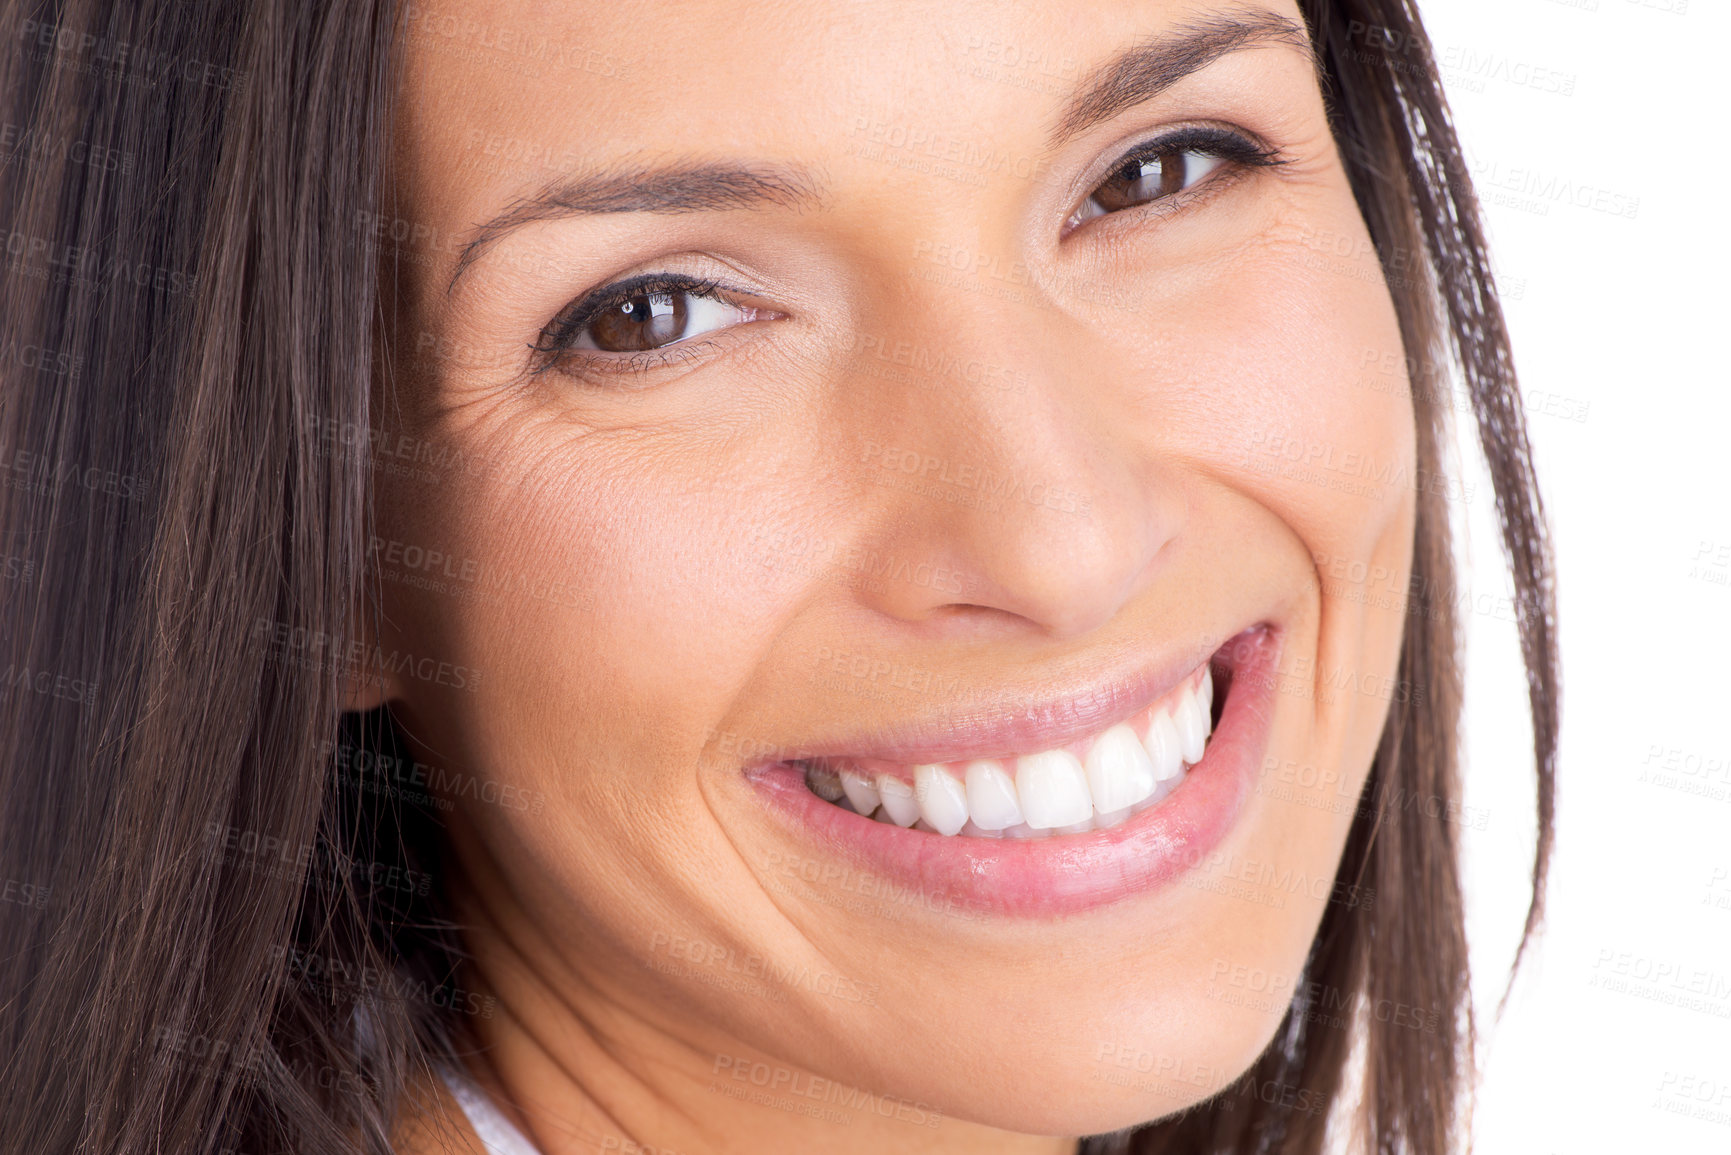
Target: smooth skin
(646, 571)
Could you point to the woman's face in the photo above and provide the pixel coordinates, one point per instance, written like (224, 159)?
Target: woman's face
(982, 375)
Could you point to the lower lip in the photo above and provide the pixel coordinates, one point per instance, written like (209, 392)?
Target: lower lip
(1068, 873)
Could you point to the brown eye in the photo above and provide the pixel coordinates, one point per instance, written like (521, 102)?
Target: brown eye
(1160, 169)
(642, 315)
(1150, 178)
(1140, 180)
(645, 321)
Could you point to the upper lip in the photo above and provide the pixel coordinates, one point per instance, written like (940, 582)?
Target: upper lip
(1044, 721)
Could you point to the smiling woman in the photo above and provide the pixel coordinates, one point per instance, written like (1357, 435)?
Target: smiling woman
(843, 577)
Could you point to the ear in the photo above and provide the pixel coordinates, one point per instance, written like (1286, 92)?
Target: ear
(364, 686)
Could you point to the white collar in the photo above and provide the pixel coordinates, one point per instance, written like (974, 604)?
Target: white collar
(497, 1133)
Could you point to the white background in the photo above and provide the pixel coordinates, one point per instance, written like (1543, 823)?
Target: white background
(1618, 1033)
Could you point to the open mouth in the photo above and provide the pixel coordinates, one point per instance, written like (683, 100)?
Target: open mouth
(1093, 783)
(1039, 813)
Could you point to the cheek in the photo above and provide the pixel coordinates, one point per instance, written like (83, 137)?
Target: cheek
(1289, 388)
(611, 614)
(617, 598)
(1286, 385)
(1302, 400)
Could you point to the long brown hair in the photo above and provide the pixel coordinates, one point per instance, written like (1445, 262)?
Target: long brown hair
(207, 940)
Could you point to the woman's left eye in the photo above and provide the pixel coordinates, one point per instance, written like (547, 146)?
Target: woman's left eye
(1165, 168)
(618, 324)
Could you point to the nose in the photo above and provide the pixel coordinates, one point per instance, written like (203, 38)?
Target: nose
(1011, 465)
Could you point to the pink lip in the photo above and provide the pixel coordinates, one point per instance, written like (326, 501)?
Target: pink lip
(1001, 731)
(1059, 874)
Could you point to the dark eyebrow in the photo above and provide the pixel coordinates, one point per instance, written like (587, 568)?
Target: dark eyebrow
(673, 188)
(1143, 72)
(1135, 75)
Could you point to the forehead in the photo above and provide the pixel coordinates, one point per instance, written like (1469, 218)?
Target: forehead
(499, 92)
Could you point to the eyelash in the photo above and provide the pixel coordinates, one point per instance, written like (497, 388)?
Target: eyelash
(1235, 148)
(554, 348)
(1221, 142)
(561, 332)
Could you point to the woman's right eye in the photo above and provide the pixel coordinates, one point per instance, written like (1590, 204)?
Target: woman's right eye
(641, 315)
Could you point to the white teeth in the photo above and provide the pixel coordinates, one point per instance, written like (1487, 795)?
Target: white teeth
(1023, 830)
(1053, 789)
(1124, 772)
(992, 802)
(1119, 772)
(1111, 818)
(1164, 748)
(860, 791)
(898, 800)
(942, 800)
(1192, 726)
(1160, 791)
